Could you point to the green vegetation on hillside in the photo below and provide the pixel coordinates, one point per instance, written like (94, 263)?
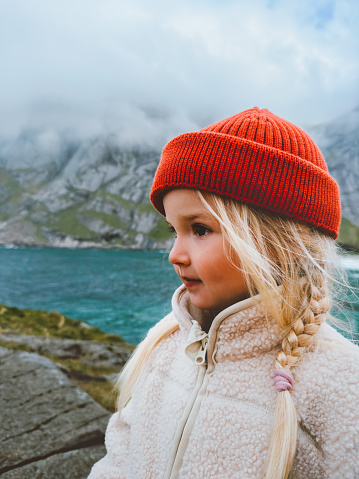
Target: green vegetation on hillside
(111, 220)
(67, 223)
(145, 208)
(4, 216)
(11, 190)
(6, 181)
(116, 199)
(41, 238)
(119, 201)
(348, 234)
(51, 324)
(161, 231)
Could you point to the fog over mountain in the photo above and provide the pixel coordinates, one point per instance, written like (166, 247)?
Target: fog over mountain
(339, 143)
(61, 190)
(85, 65)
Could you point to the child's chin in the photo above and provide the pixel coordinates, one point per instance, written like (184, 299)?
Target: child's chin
(201, 304)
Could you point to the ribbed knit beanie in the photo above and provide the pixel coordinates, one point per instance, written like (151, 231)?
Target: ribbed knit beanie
(258, 158)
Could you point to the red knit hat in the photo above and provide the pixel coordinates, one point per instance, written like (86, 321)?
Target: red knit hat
(258, 158)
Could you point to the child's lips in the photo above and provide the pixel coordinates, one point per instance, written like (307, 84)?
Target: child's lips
(190, 282)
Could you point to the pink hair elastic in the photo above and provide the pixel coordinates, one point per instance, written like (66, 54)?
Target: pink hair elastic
(283, 379)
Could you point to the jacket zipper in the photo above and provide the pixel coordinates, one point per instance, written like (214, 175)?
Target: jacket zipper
(185, 427)
(206, 367)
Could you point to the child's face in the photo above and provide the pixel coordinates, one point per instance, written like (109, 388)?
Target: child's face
(198, 253)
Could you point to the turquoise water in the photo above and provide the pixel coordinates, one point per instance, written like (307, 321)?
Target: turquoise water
(122, 292)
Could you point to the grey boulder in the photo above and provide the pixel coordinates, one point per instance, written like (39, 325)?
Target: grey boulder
(49, 428)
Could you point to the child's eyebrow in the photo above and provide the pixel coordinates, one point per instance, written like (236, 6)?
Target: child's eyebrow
(193, 217)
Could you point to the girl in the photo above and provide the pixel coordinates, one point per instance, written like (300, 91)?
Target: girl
(244, 378)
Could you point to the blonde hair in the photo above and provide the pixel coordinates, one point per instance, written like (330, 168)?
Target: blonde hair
(271, 251)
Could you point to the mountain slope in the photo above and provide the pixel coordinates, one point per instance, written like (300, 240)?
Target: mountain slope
(95, 193)
(339, 143)
(59, 191)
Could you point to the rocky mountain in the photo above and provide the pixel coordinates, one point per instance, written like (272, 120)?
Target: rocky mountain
(339, 142)
(59, 191)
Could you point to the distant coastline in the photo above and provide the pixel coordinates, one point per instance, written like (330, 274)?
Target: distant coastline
(75, 244)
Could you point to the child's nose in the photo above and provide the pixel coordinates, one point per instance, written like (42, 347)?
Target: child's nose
(179, 254)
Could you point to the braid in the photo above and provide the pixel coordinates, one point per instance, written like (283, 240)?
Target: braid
(315, 303)
(309, 311)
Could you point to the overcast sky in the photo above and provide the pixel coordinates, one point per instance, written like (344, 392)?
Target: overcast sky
(156, 68)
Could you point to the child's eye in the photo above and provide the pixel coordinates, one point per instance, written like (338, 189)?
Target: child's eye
(200, 230)
(171, 229)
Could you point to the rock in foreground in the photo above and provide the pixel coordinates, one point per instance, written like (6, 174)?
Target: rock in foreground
(49, 427)
(72, 464)
(94, 354)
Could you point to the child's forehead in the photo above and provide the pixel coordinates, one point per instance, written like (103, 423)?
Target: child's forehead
(184, 205)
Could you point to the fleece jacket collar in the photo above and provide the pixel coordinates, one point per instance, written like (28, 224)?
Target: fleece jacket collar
(241, 330)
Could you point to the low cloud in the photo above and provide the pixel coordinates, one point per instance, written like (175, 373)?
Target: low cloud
(147, 72)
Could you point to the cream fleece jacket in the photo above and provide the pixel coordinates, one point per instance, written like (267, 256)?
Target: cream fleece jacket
(194, 421)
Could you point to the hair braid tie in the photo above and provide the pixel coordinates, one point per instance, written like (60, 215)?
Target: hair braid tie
(283, 379)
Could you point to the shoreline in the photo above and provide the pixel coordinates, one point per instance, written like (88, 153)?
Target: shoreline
(80, 246)
(348, 249)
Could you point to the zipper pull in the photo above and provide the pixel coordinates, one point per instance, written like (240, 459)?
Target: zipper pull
(201, 355)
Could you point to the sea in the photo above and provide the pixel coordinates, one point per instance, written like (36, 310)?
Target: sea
(119, 291)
